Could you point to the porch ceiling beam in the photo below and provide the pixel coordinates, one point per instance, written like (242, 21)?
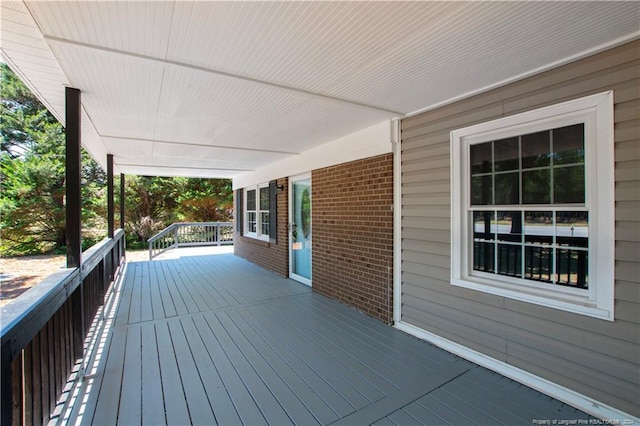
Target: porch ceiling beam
(232, 148)
(156, 166)
(63, 41)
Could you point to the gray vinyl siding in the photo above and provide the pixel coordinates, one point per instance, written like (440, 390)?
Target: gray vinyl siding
(597, 358)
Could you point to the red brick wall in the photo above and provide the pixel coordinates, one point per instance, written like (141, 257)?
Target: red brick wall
(273, 256)
(352, 228)
(352, 225)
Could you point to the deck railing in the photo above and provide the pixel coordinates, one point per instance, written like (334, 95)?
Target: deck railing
(185, 234)
(45, 329)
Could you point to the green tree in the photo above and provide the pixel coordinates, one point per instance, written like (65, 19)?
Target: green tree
(32, 179)
(149, 206)
(32, 175)
(205, 200)
(153, 203)
(20, 112)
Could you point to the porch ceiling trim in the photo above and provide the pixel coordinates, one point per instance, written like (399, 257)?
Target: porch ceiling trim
(167, 62)
(186, 144)
(250, 86)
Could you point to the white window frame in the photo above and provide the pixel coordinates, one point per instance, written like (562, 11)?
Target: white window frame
(596, 112)
(258, 234)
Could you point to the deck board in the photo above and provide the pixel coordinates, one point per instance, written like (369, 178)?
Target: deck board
(476, 397)
(200, 410)
(126, 293)
(269, 406)
(221, 403)
(342, 394)
(426, 416)
(130, 396)
(347, 367)
(294, 372)
(175, 402)
(146, 300)
(174, 293)
(133, 309)
(272, 379)
(153, 396)
(217, 340)
(157, 287)
(468, 411)
(394, 344)
(106, 409)
(401, 417)
(243, 402)
(362, 345)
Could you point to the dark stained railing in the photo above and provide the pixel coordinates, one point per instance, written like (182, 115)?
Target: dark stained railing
(185, 234)
(44, 330)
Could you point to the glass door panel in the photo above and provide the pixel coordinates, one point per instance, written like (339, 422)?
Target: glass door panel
(300, 230)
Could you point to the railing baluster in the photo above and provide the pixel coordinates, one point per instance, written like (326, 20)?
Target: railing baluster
(29, 389)
(6, 386)
(69, 360)
(44, 373)
(36, 380)
(17, 390)
(51, 368)
(57, 353)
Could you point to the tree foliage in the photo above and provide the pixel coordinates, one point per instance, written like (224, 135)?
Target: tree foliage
(152, 203)
(32, 181)
(32, 172)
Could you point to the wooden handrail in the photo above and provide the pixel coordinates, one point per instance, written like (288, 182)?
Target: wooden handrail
(44, 329)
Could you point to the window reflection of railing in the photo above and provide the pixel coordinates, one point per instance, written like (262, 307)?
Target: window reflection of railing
(505, 257)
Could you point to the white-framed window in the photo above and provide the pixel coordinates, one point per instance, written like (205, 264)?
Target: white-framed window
(532, 206)
(257, 211)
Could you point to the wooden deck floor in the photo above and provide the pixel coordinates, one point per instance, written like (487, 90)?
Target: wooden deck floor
(216, 340)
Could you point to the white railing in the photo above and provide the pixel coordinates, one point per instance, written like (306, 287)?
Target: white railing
(185, 234)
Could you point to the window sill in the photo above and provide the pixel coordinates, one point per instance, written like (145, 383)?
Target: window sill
(564, 302)
(255, 241)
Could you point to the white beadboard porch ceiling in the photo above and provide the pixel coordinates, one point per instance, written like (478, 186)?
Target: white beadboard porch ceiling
(215, 89)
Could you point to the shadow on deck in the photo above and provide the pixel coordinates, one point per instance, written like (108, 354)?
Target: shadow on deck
(216, 340)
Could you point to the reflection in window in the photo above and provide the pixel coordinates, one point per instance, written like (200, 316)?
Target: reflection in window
(543, 242)
(506, 155)
(251, 221)
(568, 184)
(264, 198)
(536, 150)
(257, 212)
(507, 188)
(251, 211)
(264, 223)
(251, 199)
(539, 168)
(483, 241)
(534, 245)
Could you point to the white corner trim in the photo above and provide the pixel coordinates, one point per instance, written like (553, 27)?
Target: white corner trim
(368, 142)
(561, 393)
(397, 220)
